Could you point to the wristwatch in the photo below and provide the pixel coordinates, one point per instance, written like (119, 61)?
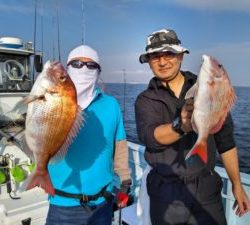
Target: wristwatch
(125, 186)
(176, 125)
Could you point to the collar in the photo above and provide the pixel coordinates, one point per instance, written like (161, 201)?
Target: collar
(98, 92)
(156, 90)
(189, 77)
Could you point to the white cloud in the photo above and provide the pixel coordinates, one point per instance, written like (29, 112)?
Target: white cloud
(130, 76)
(224, 5)
(233, 56)
(130, 71)
(115, 65)
(45, 7)
(15, 7)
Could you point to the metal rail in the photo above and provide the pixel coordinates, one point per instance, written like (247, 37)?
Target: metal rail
(138, 164)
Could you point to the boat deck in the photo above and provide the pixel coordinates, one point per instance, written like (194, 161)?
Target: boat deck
(34, 205)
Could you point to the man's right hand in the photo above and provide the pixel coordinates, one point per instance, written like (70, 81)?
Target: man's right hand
(186, 115)
(166, 135)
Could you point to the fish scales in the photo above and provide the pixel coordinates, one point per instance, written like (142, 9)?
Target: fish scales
(214, 96)
(52, 121)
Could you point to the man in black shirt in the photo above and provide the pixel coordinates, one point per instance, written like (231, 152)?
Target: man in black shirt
(181, 192)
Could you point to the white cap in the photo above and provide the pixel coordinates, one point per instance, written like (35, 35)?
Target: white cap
(83, 51)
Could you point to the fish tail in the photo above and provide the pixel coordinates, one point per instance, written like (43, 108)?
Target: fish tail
(199, 149)
(42, 181)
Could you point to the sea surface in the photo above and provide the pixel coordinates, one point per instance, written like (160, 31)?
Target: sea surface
(127, 93)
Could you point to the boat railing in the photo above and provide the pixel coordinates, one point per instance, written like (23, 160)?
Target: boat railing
(138, 164)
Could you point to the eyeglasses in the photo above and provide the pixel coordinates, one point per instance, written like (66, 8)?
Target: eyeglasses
(165, 55)
(79, 64)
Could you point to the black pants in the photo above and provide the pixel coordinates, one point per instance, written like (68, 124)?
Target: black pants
(186, 201)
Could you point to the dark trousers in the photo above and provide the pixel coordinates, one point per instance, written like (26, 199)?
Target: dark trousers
(78, 215)
(186, 201)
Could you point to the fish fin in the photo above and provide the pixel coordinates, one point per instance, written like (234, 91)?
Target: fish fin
(30, 98)
(194, 125)
(37, 180)
(22, 106)
(218, 126)
(72, 134)
(192, 91)
(25, 148)
(231, 98)
(199, 149)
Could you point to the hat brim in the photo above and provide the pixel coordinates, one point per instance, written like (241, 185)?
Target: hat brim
(177, 49)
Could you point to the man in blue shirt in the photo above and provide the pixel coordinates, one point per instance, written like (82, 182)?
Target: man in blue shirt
(83, 179)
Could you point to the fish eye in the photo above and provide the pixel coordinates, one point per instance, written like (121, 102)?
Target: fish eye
(217, 75)
(62, 78)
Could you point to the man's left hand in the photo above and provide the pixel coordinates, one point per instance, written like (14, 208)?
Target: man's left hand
(186, 115)
(242, 203)
(123, 195)
(122, 199)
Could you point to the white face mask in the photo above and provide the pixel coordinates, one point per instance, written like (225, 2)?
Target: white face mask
(85, 82)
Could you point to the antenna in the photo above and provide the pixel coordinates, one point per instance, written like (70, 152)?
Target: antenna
(34, 40)
(124, 94)
(83, 23)
(42, 16)
(53, 39)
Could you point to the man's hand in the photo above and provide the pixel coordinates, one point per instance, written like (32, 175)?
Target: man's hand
(230, 162)
(186, 114)
(122, 199)
(242, 203)
(123, 195)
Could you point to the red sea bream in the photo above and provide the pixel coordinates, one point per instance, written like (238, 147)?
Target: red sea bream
(52, 121)
(213, 98)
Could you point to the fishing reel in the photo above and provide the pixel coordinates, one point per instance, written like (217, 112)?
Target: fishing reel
(12, 175)
(5, 162)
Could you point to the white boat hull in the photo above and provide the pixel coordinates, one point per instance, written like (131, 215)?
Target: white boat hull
(33, 204)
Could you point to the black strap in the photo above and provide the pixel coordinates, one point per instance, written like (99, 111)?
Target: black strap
(67, 195)
(186, 179)
(85, 198)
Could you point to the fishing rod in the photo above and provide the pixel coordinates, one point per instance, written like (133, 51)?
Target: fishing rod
(11, 139)
(83, 23)
(42, 17)
(53, 40)
(58, 32)
(124, 94)
(34, 38)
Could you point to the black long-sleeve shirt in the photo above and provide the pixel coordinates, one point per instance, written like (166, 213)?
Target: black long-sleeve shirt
(158, 105)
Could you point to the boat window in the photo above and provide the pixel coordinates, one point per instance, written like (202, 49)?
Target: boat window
(14, 73)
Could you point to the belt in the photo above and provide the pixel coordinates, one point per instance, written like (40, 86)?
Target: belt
(185, 179)
(86, 198)
(194, 178)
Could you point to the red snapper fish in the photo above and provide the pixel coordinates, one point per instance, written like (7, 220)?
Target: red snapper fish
(53, 120)
(214, 96)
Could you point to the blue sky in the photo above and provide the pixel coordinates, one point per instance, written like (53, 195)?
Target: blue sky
(117, 29)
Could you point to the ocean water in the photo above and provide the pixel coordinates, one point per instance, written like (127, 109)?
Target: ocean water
(127, 93)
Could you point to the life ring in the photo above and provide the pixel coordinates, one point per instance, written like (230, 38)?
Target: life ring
(14, 70)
